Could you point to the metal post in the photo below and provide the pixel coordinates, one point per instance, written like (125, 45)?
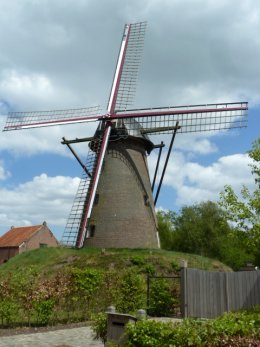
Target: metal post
(184, 299)
(157, 164)
(77, 157)
(166, 162)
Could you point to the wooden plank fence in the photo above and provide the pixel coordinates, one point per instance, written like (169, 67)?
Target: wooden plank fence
(207, 294)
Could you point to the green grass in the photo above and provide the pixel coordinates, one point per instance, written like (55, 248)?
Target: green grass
(51, 260)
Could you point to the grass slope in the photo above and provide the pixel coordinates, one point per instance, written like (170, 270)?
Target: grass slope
(49, 261)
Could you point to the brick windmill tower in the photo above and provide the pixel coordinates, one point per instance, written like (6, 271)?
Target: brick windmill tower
(114, 205)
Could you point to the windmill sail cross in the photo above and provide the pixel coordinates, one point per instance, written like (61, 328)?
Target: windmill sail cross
(114, 205)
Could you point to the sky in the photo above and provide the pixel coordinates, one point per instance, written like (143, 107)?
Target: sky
(58, 54)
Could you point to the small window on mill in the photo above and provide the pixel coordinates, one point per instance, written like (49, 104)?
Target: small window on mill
(91, 231)
(96, 199)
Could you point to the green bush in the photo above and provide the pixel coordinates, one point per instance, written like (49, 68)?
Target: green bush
(85, 284)
(44, 311)
(149, 269)
(195, 333)
(8, 311)
(175, 266)
(130, 292)
(99, 326)
(162, 300)
(86, 281)
(137, 260)
(8, 304)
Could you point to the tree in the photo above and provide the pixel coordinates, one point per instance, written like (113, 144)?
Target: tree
(166, 220)
(244, 212)
(200, 229)
(196, 229)
(203, 229)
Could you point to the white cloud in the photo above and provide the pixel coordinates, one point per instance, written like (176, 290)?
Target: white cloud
(160, 208)
(43, 198)
(3, 173)
(33, 90)
(194, 182)
(196, 143)
(14, 83)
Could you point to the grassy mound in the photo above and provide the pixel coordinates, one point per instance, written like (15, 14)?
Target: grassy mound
(50, 261)
(60, 285)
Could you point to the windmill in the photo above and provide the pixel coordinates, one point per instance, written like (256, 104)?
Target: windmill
(114, 205)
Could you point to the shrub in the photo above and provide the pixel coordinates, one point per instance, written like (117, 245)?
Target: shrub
(175, 266)
(137, 260)
(161, 298)
(215, 333)
(130, 292)
(8, 311)
(44, 311)
(85, 285)
(149, 269)
(99, 326)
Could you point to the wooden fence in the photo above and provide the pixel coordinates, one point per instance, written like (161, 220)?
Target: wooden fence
(207, 294)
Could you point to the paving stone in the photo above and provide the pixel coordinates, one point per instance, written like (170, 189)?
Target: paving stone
(76, 337)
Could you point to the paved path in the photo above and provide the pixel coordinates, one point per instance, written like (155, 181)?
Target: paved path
(76, 337)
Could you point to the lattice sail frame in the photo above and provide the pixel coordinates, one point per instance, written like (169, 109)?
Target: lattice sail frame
(38, 119)
(193, 118)
(75, 221)
(132, 61)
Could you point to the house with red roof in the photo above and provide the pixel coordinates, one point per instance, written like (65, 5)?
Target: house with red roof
(20, 239)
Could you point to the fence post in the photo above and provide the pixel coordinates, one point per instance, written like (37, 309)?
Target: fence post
(141, 314)
(184, 299)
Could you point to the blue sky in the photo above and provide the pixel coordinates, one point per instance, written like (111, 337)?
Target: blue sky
(62, 54)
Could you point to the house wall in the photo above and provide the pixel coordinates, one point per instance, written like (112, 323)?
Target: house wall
(7, 252)
(42, 237)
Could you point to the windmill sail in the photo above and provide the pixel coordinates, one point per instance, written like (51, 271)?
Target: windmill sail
(134, 35)
(75, 229)
(92, 187)
(121, 94)
(70, 234)
(37, 119)
(194, 118)
(122, 137)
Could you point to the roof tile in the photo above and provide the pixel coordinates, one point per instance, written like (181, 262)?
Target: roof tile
(16, 236)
